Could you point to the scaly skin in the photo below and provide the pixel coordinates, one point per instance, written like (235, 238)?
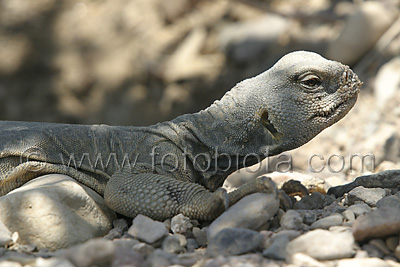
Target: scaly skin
(178, 166)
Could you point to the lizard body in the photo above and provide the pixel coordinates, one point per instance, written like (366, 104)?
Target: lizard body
(178, 166)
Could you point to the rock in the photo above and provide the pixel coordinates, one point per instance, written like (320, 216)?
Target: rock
(95, 252)
(126, 243)
(372, 251)
(397, 252)
(349, 217)
(314, 201)
(192, 244)
(322, 245)
(174, 243)
(143, 248)
(120, 226)
(368, 195)
(290, 234)
(292, 220)
(309, 217)
(5, 235)
(200, 235)
(180, 224)
(242, 260)
(384, 179)
(147, 230)
(54, 211)
(380, 244)
(250, 212)
(277, 250)
(161, 258)
(387, 82)
(359, 209)
(324, 223)
(392, 242)
(126, 257)
(52, 262)
(301, 259)
(379, 223)
(234, 241)
(359, 262)
(360, 32)
(389, 201)
(7, 263)
(244, 41)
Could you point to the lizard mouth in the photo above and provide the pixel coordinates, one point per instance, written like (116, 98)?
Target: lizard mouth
(270, 126)
(336, 111)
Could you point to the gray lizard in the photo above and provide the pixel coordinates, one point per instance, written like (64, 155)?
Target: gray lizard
(179, 166)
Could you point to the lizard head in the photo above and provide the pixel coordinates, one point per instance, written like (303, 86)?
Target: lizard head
(306, 94)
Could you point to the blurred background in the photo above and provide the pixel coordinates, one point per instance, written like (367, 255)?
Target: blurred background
(138, 62)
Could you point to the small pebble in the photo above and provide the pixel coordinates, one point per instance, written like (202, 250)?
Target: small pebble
(234, 241)
(324, 223)
(147, 230)
(291, 220)
(180, 224)
(392, 242)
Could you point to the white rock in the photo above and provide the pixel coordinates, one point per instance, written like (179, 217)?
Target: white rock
(54, 211)
(180, 224)
(147, 230)
(322, 245)
(366, 262)
(251, 212)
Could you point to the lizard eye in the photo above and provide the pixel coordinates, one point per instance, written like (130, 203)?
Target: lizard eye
(310, 82)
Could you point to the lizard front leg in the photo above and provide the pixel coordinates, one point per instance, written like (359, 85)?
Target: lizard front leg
(161, 197)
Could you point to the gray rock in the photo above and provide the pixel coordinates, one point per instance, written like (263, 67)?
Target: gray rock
(292, 220)
(372, 251)
(383, 179)
(322, 245)
(277, 250)
(360, 32)
(380, 244)
(290, 234)
(244, 41)
(349, 217)
(60, 212)
(324, 223)
(379, 223)
(368, 195)
(392, 242)
(147, 230)
(242, 260)
(200, 235)
(143, 248)
(192, 244)
(174, 243)
(359, 262)
(360, 209)
(180, 224)
(314, 201)
(126, 243)
(161, 258)
(95, 252)
(389, 201)
(234, 241)
(126, 257)
(309, 217)
(250, 212)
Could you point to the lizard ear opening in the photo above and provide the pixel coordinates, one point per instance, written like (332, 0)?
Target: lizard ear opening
(270, 127)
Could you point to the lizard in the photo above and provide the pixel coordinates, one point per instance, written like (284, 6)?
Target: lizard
(179, 166)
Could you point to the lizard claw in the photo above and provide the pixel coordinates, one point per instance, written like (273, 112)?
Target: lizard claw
(268, 185)
(223, 196)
